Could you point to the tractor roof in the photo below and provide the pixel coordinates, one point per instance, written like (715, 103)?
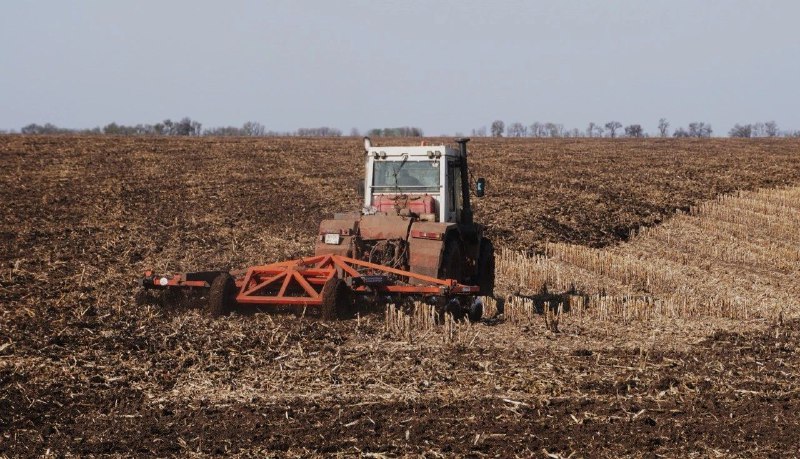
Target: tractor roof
(419, 150)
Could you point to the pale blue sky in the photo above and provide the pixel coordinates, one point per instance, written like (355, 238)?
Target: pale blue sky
(445, 66)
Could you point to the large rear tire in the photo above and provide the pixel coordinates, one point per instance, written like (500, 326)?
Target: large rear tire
(221, 296)
(452, 261)
(486, 268)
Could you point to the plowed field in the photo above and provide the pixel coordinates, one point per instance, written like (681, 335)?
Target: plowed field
(85, 371)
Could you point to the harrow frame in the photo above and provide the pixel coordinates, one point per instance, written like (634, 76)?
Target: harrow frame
(300, 282)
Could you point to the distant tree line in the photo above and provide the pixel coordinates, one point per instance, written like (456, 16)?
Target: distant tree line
(610, 129)
(184, 127)
(405, 131)
(696, 129)
(760, 129)
(319, 132)
(189, 127)
(48, 128)
(248, 129)
(615, 129)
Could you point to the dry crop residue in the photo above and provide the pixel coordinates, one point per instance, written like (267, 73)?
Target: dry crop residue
(84, 371)
(735, 257)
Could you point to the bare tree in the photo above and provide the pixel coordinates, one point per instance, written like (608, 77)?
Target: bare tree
(681, 132)
(663, 127)
(612, 127)
(744, 131)
(182, 127)
(699, 129)
(166, 127)
(185, 127)
(497, 128)
(253, 129)
(555, 129)
(634, 130)
(590, 129)
(771, 129)
(479, 132)
(537, 129)
(517, 130)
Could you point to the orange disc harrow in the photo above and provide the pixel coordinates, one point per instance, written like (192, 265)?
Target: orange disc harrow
(299, 282)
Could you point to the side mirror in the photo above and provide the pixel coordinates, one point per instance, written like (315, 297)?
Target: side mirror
(480, 187)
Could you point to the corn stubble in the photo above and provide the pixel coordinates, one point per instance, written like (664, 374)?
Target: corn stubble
(735, 257)
(423, 324)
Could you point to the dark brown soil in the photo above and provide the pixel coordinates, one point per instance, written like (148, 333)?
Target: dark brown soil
(103, 385)
(83, 370)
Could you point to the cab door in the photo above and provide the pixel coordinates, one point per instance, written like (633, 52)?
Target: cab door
(454, 198)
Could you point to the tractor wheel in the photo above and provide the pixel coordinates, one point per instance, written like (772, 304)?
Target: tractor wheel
(452, 261)
(455, 308)
(475, 312)
(337, 299)
(486, 268)
(221, 295)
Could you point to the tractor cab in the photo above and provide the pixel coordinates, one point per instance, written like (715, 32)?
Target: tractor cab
(420, 181)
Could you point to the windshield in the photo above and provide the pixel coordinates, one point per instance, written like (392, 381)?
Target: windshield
(406, 176)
